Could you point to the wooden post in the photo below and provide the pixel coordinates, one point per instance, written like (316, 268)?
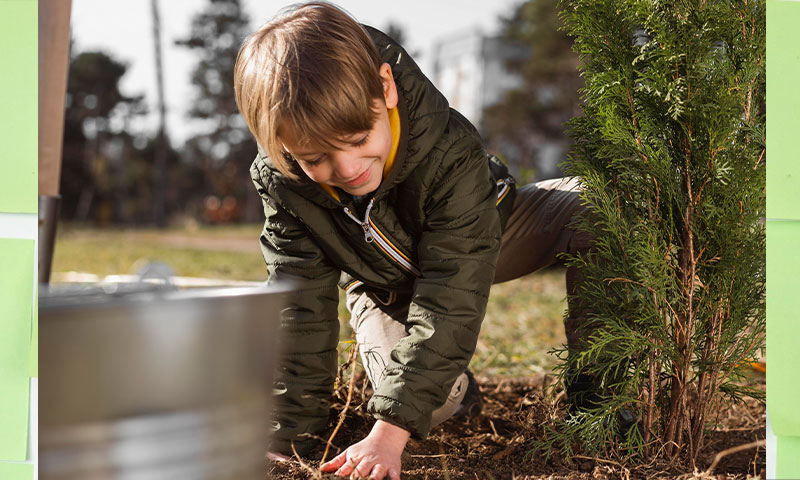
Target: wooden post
(53, 65)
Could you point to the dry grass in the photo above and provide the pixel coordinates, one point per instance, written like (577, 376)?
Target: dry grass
(523, 322)
(523, 319)
(228, 253)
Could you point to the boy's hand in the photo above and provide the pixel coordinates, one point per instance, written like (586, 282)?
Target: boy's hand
(375, 457)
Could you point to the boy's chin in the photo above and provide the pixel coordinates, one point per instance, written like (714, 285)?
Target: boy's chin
(361, 191)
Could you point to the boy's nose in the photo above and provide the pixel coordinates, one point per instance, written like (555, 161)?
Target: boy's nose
(346, 166)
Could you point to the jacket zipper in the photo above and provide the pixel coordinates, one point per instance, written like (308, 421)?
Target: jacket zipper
(372, 234)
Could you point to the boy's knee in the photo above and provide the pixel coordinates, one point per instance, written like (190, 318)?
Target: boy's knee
(357, 304)
(581, 242)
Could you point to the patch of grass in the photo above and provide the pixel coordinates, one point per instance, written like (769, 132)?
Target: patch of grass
(523, 319)
(228, 253)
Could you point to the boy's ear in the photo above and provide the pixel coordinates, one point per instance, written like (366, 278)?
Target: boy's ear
(389, 88)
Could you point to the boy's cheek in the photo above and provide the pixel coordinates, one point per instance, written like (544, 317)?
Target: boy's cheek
(314, 174)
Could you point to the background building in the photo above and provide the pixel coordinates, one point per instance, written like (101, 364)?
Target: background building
(472, 70)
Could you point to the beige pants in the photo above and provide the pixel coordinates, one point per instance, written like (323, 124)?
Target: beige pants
(537, 231)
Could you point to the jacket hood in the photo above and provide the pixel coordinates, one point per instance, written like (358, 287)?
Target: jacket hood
(420, 130)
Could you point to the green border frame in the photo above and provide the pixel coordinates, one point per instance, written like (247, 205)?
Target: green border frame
(18, 174)
(783, 232)
(18, 207)
(19, 93)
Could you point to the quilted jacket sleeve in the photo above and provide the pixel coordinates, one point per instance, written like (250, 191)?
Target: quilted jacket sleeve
(309, 326)
(457, 257)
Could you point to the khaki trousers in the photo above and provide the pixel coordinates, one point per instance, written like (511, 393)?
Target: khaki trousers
(537, 231)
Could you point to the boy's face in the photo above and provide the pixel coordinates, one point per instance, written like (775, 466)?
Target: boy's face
(356, 166)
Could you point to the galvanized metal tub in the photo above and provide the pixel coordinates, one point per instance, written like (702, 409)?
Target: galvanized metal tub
(140, 383)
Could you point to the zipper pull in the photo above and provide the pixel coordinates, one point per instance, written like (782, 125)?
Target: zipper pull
(367, 229)
(364, 225)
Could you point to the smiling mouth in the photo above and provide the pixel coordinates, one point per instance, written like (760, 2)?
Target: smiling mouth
(359, 180)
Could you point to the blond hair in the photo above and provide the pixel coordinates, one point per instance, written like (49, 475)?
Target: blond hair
(313, 70)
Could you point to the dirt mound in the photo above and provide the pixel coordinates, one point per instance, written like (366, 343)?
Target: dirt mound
(496, 445)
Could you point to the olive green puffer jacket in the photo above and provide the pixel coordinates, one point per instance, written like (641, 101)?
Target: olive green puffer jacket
(431, 235)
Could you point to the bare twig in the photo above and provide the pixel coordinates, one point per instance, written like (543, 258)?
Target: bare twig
(491, 424)
(445, 470)
(364, 387)
(602, 460)
(343, 413)
(315, 474)
(742, 429)
(738, 448)
(651, 393)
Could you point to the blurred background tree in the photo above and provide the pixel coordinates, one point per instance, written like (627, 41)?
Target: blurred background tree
(107, 172)
(102, 170)
(530, 119)
(224, 151)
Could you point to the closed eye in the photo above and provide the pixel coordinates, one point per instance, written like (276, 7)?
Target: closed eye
(312, 163)
(361, 142)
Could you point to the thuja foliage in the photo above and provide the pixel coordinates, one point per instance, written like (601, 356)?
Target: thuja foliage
(671, 150)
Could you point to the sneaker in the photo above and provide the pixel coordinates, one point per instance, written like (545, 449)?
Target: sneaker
(627, 420)
(472, 403)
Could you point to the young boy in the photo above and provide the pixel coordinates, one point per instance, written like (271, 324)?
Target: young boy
(370, 181)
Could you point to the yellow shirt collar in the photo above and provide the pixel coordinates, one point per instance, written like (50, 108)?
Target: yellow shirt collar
(394, 124)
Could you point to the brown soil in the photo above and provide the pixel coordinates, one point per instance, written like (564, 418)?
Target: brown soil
(496, 445)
